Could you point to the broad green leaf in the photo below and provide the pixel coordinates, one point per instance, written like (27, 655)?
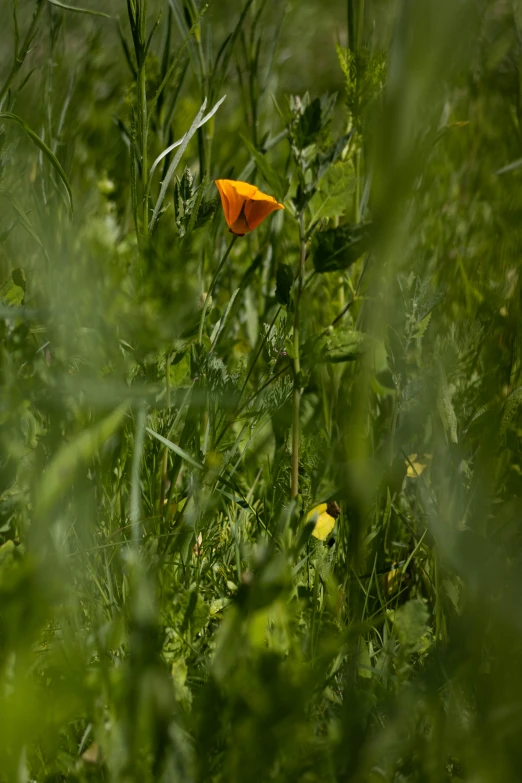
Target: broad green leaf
(334, 192)
(12, 291)
(338, 248)
(344, 346)
(180, 371)
(341, 345)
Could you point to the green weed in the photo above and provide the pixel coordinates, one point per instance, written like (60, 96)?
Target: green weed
(176, 402)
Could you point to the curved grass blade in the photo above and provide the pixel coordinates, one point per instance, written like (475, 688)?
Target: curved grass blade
(225, 53)
(183, 143)
(80, 10)
(195, 464)
(180, 141)
(516, 164)
(61, 471)
(24, 220)
(174, 64)
(176, 449)
(42, 146)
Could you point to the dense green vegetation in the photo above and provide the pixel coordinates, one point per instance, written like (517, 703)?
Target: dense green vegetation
(175, 401)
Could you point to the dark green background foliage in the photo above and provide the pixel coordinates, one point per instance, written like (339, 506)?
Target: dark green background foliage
(165, 613)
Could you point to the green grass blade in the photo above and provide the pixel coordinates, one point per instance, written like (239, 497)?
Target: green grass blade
(80, 10)
(70, 457)
(42, 146)
(176, 449)
(199, 121)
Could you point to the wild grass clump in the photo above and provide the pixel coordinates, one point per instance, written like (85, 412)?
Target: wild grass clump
(260, 463)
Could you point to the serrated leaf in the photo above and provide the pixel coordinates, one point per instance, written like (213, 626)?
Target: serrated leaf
(510, 408)
(186, 185)
(445, 408)
(422, 326)
(182, 144)
(325, 159)
(12, 291)
(309, 124)
(428, 306)
(206, 212)
(334, 189)
(343, 345)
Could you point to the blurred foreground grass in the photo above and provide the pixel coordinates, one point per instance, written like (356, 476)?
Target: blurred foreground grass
(166, 611)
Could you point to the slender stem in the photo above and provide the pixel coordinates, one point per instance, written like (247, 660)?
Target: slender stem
(296, 408)
(256, 357)
(166, 452)
(357, 195)
(212, 286)
(360, 24)
(350, 24)
(238, 407)
(143, 120)
(21, 54)
(247, 402)
(296, 394)
(135, 503)
(353, 299)
(16, 28)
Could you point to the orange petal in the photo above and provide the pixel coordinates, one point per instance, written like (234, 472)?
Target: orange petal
(240, 226)
(244, 205)
(236, 194)
(243, 189)
(223, 189)
(256, 210)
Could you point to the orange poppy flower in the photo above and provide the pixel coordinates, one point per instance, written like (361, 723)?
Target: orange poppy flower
(244, 205)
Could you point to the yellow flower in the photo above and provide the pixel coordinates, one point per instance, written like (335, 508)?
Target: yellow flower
(244, 205)
(324, 516)
(417, 464)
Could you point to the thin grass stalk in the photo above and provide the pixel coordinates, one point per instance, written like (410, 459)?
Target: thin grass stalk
(143, 115)
(296, 393)
(166, 452)
(135, 502)
(21, 54)
(212, 286)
